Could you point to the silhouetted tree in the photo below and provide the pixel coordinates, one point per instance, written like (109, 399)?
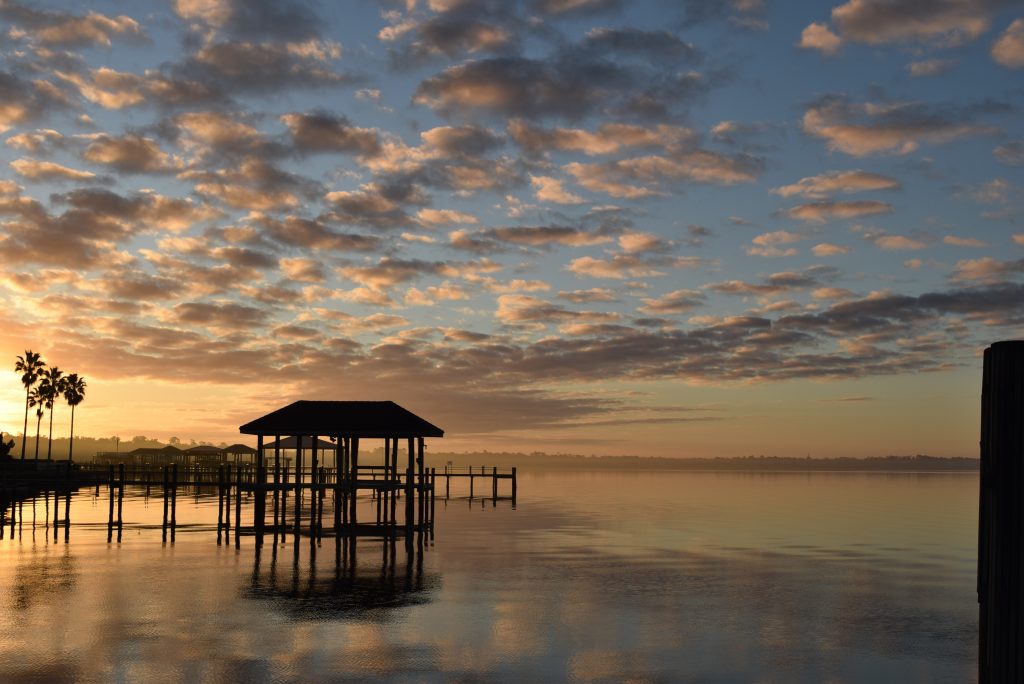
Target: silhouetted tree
(74, 393)
(51, 388)
(29, 366)
(36, 399)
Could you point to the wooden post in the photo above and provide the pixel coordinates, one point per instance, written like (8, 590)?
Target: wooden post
(220, 502)
(261, 491)
(284, 499)
(514, 485)
(1001, 516)
(174, 500)
(297, 516)
(494, 489)
(167, 496)
(433, 484)
(408, 488)
(314, 481)
(277, 479)
(110, 509)
(120, 502)
(238, 505)
(447, 482)
(353, 459)
(471, 482)
(422, 481)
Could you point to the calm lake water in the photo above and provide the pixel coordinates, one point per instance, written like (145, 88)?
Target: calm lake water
(595, 576)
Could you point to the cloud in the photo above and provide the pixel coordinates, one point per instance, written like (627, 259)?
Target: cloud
(930, 67)
(492, 240)
(619, 267)
(827, 210)
(963, 242)
(44, 170)
(66, 29)
(548, 189)
(38, 141)
(1012, 153)
(580, 79)
(639, 177)
(826, 249)
(290, 20)
(832, 182)
(766, 244)
(441, 217)
(594, 294)
(675, 302)
(23, 101)
(607, 139)
(867, 128)
(129, 153)
(324, 132)
(894, 242)
(1008, 50)
(818, 37)
(517, 309)
(987, 269)
(295, 231)
(943, 22)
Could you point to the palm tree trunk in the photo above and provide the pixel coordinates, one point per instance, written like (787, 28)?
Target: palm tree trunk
(71, 444)
(24, 430)
(49, 438)
(39, 419)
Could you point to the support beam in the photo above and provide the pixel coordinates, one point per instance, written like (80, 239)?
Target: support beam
(1001, 516)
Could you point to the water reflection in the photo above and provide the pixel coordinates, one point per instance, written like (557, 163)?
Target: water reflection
(308, 589)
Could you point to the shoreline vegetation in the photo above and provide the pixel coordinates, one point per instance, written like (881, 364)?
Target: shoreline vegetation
(88, 446)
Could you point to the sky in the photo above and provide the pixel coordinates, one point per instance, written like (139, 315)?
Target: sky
(664, 228)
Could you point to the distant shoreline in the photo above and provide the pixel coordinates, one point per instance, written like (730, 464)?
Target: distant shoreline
(891, 464)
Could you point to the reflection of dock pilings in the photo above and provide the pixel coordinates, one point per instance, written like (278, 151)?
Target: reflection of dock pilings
(348, 587)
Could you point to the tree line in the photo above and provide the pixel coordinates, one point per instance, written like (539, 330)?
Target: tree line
(44, 386)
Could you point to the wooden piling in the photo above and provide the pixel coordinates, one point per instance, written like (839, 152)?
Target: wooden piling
(1001, 516)
(471, 482)
(297, 517)
(110, 508)
(514, 485)
(238, 506)
(174, 500)
(120, 502)
(494, 488)
(167, 497)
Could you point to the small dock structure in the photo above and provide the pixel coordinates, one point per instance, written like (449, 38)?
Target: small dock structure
(345, 424)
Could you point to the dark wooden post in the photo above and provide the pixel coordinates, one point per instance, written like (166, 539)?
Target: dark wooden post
(353, 460)
(167, 496)
(277, 479)
(314, 482)
(1001, 516)
(174, 500)
(471, 482)
(238, 504)
(297, 522)
(408, 487)
(494, 486)
(421, 480)
(514, 483)
(120, 501)
(261, 490)
(110, 509)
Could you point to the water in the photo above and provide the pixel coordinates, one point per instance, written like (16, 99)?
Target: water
(595, 576)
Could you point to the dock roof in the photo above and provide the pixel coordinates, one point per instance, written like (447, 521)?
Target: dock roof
(293, 443)
(343, 419)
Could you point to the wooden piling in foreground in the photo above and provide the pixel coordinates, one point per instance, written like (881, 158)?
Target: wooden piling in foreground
(514, 485)
(110, 508)
(1001, 516)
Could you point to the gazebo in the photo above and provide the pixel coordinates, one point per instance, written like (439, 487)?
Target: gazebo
(345, 423)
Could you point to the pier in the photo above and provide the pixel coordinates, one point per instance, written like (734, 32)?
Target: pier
(295, 483)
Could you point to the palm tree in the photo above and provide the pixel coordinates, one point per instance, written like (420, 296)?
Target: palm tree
(29, 366)
(74, 393)
(51, 388)
(37, 399)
